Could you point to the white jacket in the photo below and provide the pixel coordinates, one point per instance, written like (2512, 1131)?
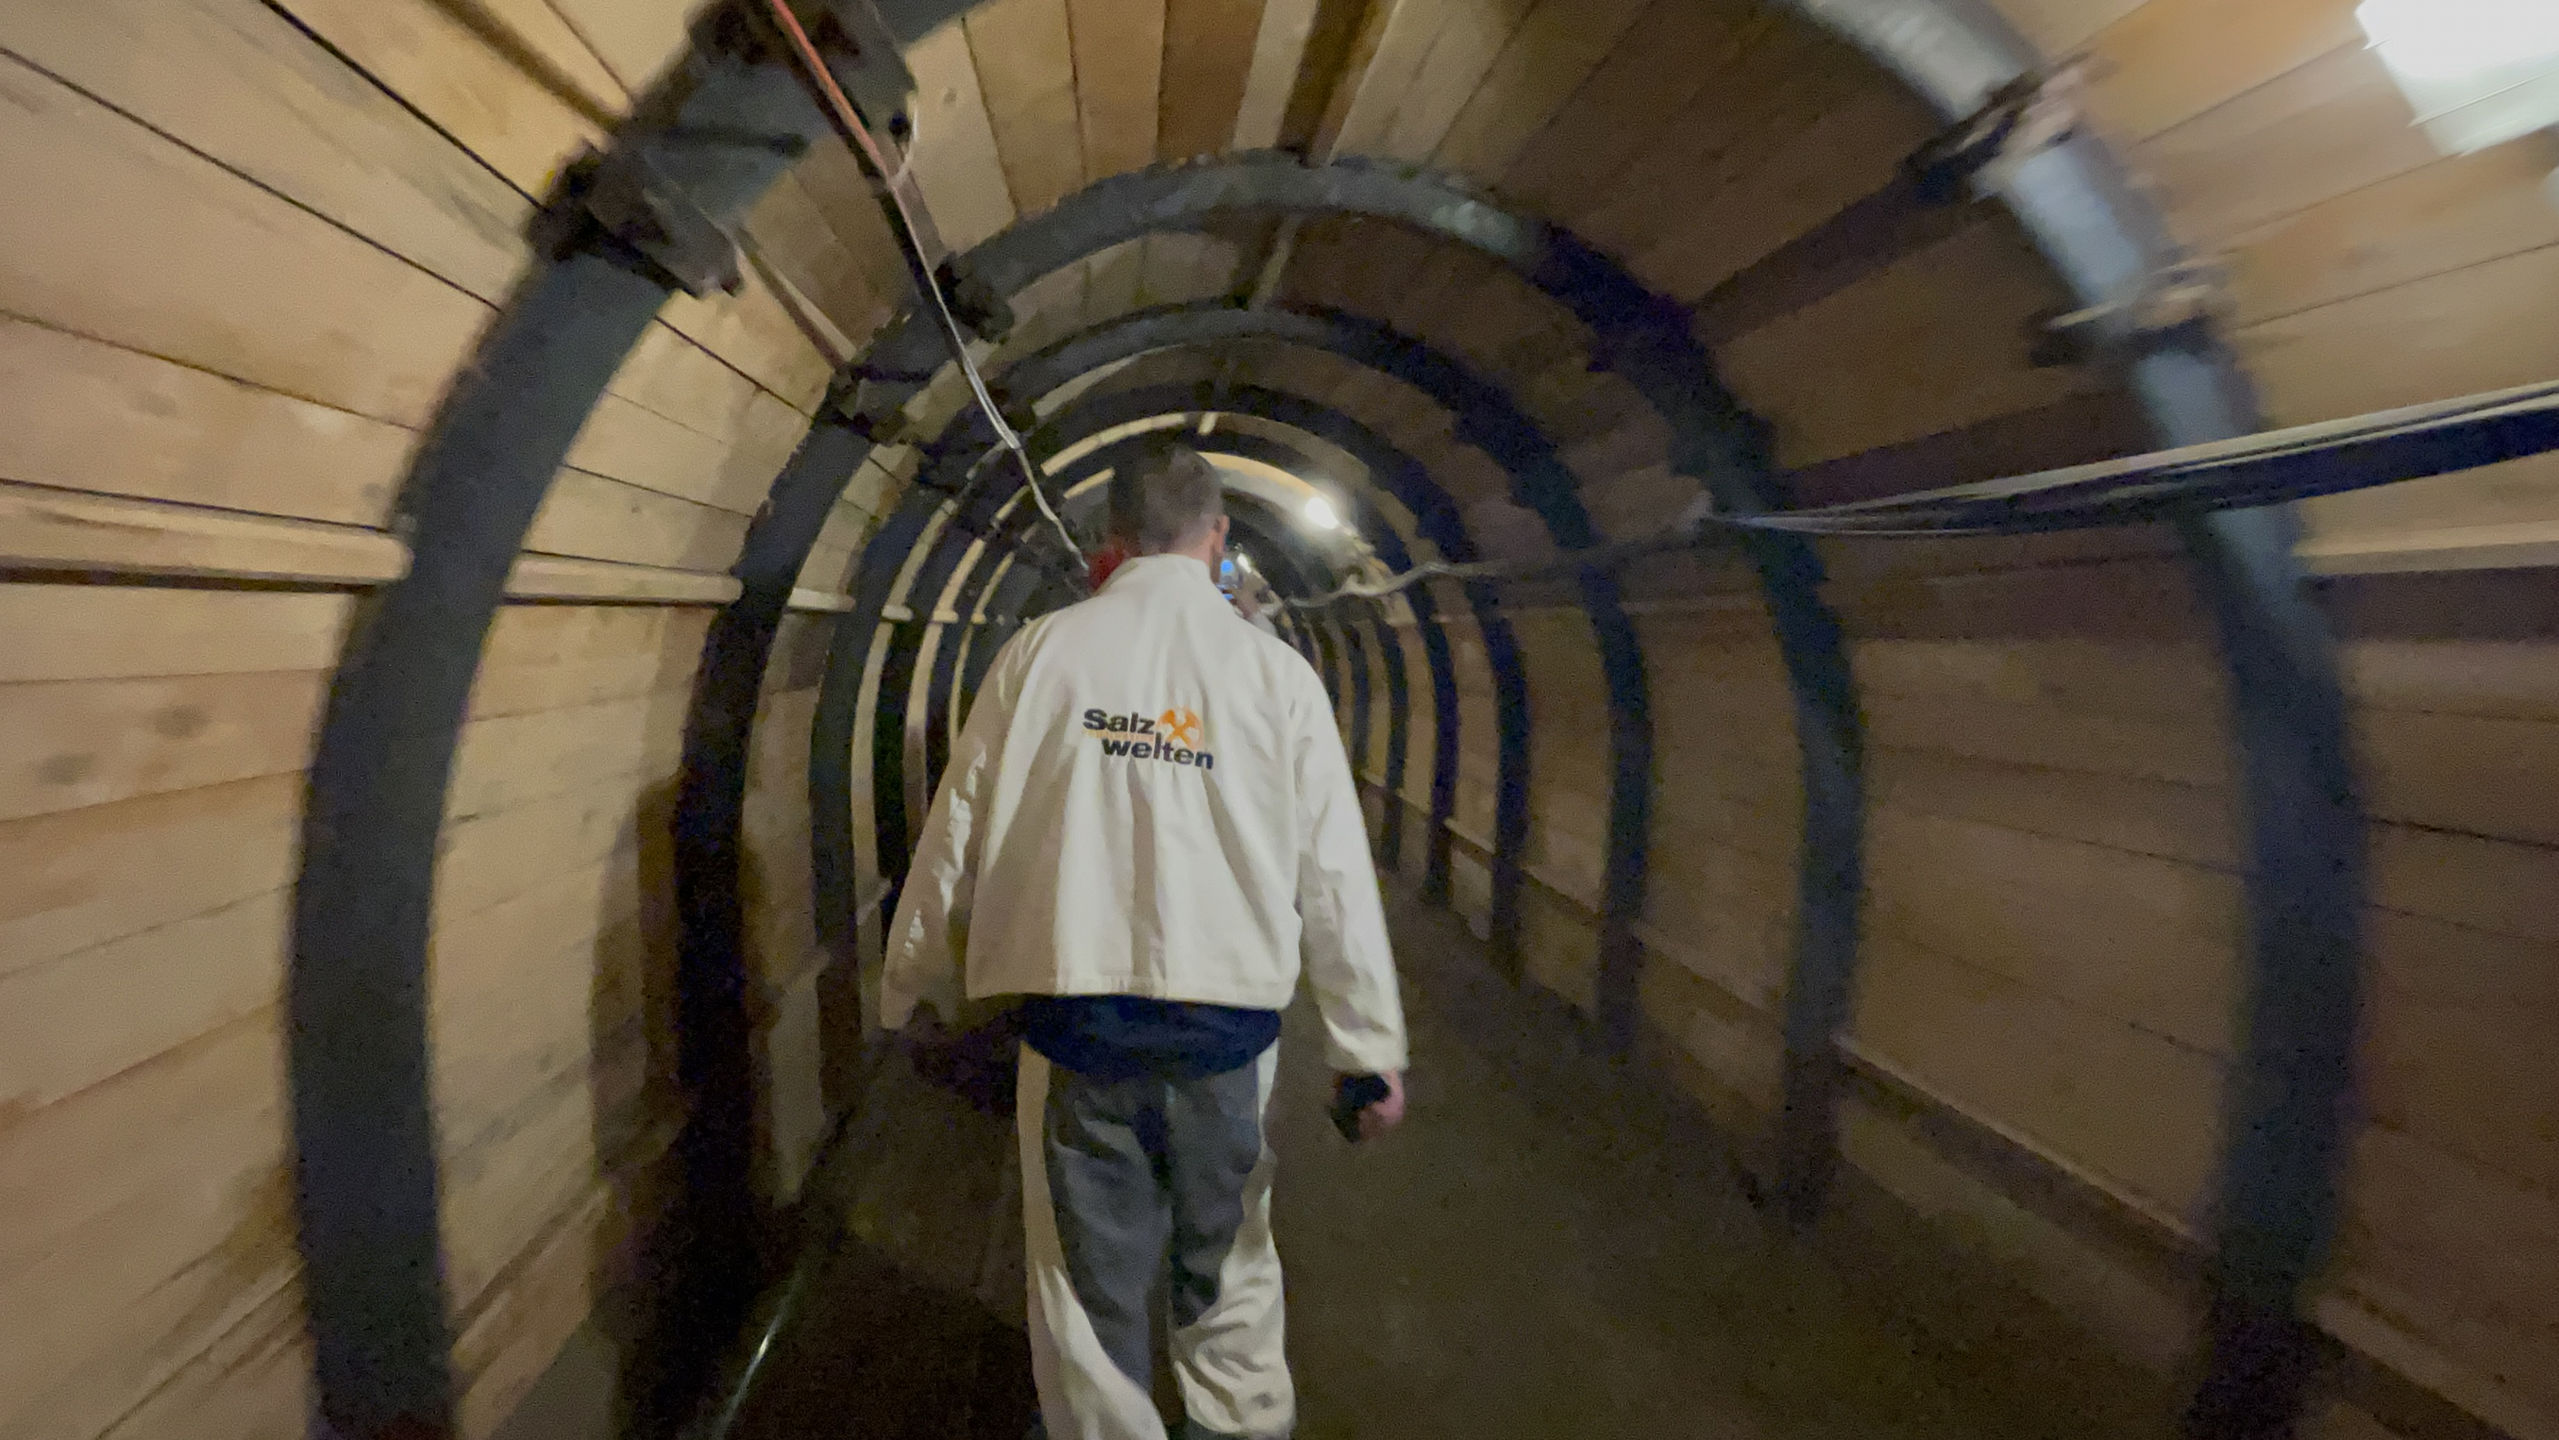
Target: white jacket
(1150, 798)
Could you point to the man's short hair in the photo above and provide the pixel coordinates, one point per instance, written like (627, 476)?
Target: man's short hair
(1165, 498)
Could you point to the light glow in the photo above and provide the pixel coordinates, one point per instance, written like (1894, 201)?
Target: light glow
(2476, 72)
(1321, 515)
(2461, 40)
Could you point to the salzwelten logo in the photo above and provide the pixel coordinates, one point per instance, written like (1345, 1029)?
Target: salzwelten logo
(1172, 737)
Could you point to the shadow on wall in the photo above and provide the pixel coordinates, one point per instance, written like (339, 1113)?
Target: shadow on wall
(637, 1362)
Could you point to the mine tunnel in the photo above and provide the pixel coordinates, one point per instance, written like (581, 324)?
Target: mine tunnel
(1938, 607)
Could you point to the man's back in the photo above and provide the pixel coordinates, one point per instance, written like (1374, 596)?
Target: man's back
(1147, 819)
(1148, 794)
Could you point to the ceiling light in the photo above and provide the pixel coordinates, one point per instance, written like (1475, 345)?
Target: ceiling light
(2477, 72)
(1321, 515)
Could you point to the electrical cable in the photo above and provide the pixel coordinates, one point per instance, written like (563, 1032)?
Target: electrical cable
(847, 123)
(2268, 468)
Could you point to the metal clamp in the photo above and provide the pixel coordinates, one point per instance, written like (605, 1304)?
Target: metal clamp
(2033, 112)
(625, 197)
(2171, 306)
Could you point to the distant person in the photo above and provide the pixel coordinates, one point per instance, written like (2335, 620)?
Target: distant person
(1149, 818)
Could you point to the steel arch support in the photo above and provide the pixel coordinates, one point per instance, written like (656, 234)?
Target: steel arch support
(2277, 1207)
(356, 996)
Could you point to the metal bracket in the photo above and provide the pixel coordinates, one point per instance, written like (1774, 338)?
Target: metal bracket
(2033, 112)
(974, 303)
(2171, 306)
(624, 196)
(868, 64)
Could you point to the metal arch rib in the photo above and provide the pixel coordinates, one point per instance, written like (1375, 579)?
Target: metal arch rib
(365, 1155)
(2276, 1214)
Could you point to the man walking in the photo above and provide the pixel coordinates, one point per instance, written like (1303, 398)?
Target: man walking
(1148, 819)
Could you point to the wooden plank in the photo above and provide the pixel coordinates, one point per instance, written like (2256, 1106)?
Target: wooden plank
(1473, 37)
(1393, 40)
(590, 517)
(2452, 214)
(2431, 527)
(753, 331)
(118, 234)
(180, 1224)
(2181, 680)
(1026, 71)
(488, 860)
(543, 657)
(1334, 54)
(2058, 1075)
(2330, 127)
(2506, 679)
(2194, 753)
(93, 632)
(2060, 27)
(86, 877)
(2467, 773)
(631, 443)
(637, 39)
(68, 1024)
(430, 59)
(1208, 57)
(574, 579)
(2466, 1260)
(1934, 342)
(2491, 885)
(2145, 817)
(955, 157)
(569, 1273)
(2153, 943)
(2080, 427)
(46, 529)
(89, 742)
(1119, 66)
(2482, 328)
(2170, 60)
(84, 415)
(236, 82)
(1775, 252)
(1664, 58)
(1771, 83)
(1279, 54)
(253, 1379)
(543, 42)
(2474, 1079)
(511, 760)
(1555, 49)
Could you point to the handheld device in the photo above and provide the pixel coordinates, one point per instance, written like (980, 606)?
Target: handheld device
(1351, 1095)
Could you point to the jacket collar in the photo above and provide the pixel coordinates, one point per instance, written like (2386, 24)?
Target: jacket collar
(1164, 575)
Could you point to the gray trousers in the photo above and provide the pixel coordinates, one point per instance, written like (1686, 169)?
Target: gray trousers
(1127, 1181)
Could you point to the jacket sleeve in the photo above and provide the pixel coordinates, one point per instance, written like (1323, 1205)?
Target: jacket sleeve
(1348, 958)
(928, 940)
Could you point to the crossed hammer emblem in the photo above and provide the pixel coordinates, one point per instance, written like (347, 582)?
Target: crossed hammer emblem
(1182, 727)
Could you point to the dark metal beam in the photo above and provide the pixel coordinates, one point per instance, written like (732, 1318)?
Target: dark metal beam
(2288, 1107)
(364, 1148)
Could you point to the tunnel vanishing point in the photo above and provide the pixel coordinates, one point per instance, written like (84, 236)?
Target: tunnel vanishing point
(1940, 606)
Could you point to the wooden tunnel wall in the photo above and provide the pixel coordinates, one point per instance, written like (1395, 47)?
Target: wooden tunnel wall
(247, 246)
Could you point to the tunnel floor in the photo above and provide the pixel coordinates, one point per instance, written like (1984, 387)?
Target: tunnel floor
(1553, 1245)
